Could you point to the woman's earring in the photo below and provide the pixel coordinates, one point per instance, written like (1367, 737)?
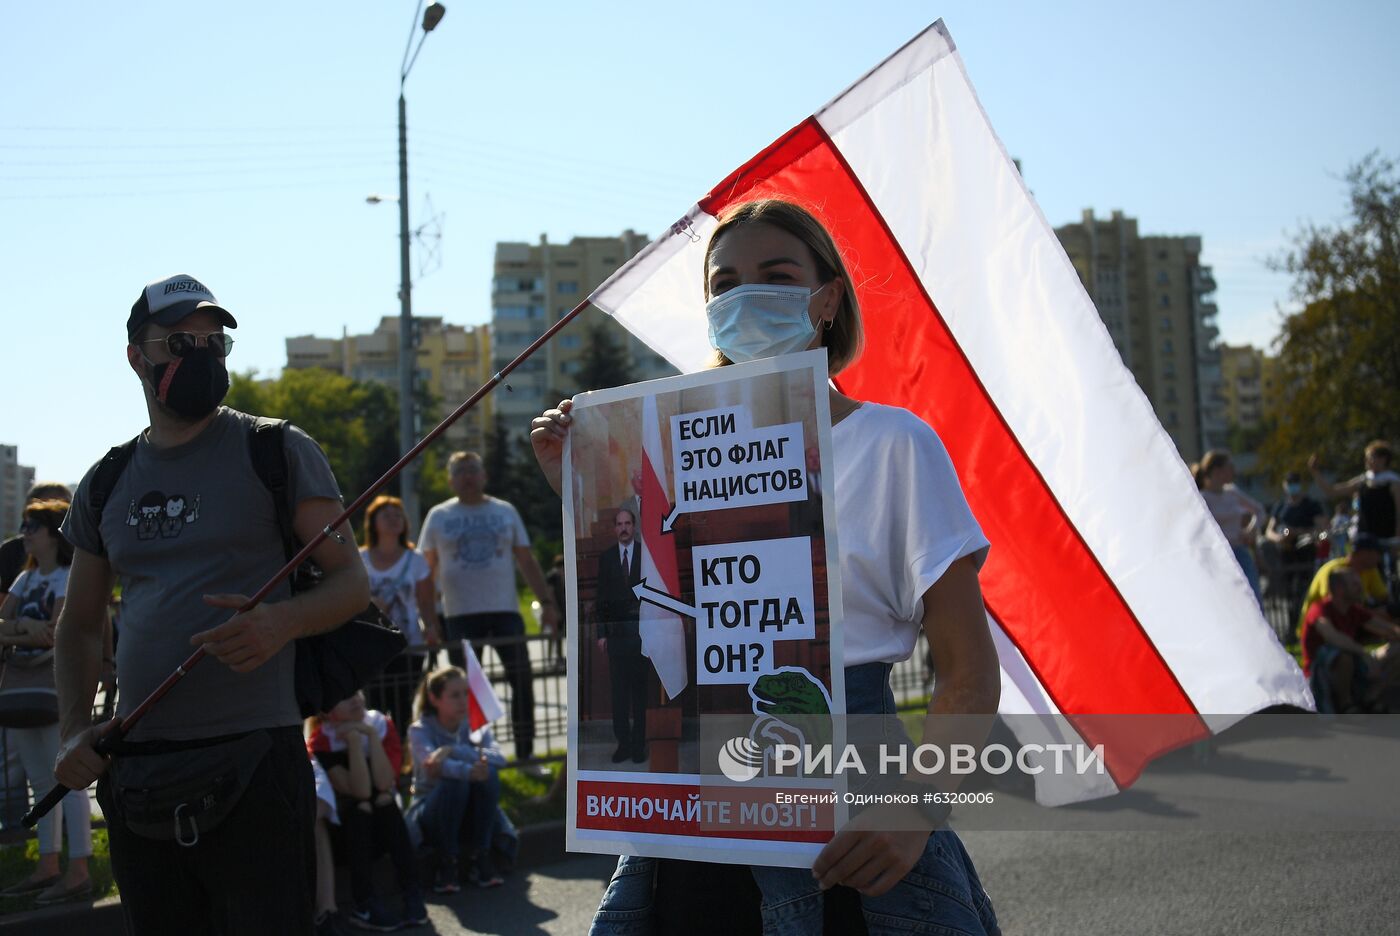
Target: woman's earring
(826, 326)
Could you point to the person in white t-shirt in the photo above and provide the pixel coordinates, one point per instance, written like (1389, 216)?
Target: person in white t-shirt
(910, 552)
(1239, 515)
(401, 584)
(474, 543)
(27, 619)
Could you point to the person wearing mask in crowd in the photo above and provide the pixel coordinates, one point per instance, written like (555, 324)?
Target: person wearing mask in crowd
(910, 553)
(1294, 525)
(27, 617)
(474, 543)
(401, 584)
(361, 752)
(12, 554)
(456, 779)
(1376, 490)
(190, 530)
(1238, 514)
(1346, 676)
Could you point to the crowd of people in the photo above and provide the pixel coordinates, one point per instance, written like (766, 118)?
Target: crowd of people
(228, 810)
(185, 525)
(1339, 568)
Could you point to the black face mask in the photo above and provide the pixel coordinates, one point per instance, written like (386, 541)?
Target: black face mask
(190, 386)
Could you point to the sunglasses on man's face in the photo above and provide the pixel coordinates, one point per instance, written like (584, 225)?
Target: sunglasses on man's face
(180, 344)
(31, 526)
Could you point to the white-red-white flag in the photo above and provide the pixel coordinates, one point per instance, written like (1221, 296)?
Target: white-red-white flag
(662, 631)
(483, 707)
(1109, 587)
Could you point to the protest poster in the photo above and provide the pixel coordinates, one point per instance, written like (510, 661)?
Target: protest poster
(704, 614)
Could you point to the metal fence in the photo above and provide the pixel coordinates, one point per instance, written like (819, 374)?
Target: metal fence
(534, 694)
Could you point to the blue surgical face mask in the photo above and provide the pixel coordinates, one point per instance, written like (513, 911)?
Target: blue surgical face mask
(749, 323)
(1292, 488)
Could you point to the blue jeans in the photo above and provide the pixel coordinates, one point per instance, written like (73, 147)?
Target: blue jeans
(941, 894)
(440, 814)
(1251, 571)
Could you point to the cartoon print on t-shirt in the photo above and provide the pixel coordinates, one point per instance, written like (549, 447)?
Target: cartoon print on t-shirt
(391, 595)
(38, 599)
(477, 540)
(176, 515)
(155, 513)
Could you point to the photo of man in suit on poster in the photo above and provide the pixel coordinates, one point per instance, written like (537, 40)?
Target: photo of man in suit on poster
(617, 611)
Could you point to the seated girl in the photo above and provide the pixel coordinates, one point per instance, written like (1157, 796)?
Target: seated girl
(456, 778)
(361, 752)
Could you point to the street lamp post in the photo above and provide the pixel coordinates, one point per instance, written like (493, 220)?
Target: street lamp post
(408, 352)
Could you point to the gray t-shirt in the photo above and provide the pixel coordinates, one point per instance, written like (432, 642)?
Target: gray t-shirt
(475, 547)
(180, 524)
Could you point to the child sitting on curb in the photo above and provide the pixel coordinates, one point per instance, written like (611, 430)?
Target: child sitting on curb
(361, 752)
(456, 778)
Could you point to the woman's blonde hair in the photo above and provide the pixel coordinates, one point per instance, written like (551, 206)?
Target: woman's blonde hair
(845, 338)
(432, 685)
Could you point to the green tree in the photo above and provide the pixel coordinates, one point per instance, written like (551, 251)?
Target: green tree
(504, 469)
(605, 361)
(355, 423)
(1339, 357)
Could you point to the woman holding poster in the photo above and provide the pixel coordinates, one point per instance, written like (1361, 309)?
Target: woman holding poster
(910, 550)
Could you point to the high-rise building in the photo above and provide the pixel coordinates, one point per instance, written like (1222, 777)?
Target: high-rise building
(15, 482)
(453, 361)
(534, 286)
(1156, 298)
(1246, 381)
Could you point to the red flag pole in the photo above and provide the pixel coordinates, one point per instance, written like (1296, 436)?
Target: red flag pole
(120, 728)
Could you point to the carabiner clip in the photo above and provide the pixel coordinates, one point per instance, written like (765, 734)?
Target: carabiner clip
(194, 828)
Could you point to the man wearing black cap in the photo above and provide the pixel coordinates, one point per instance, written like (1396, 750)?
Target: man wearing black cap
(190, 528)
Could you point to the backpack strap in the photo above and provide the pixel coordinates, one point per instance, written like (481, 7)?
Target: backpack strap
(108, 473)
(266, 445)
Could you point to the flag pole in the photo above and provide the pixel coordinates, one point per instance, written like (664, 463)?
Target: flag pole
(120, 728)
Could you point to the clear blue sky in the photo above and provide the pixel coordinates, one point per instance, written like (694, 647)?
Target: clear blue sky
(237, 142)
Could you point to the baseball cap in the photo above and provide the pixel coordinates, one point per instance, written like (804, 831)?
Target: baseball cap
(167, 301)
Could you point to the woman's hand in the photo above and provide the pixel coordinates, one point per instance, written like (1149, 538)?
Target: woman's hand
(433, 763)
(872, 860)
(547, 434)
(480, 771)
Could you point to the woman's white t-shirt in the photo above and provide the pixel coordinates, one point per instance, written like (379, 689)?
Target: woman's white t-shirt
(1231, 508)
(396, 589)
(902, 520)
(38, 593)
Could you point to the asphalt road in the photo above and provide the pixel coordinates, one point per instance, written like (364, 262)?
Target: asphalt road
(1073, 883)
(1286, 829)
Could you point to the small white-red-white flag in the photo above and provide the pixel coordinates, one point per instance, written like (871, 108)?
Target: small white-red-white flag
(483, 706)
(662, 631)
(1109, 588)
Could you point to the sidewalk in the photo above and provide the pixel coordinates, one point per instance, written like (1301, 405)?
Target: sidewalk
(540, 845)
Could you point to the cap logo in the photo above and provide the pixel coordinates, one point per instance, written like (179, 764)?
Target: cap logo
(189, 285)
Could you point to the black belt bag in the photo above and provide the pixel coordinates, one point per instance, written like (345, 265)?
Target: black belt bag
(179, 790)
